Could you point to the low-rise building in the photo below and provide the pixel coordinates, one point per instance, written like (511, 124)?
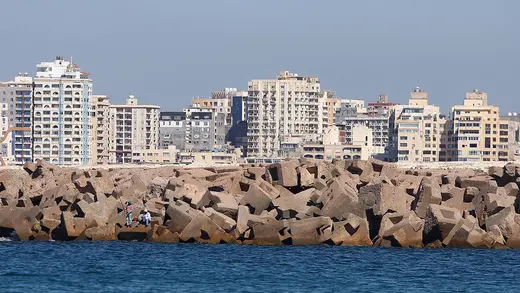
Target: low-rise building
(155, 156)
(361, 147)
(231, 157)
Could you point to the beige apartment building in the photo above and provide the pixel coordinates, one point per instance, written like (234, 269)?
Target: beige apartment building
(478, 133)
(415, 130)
(100, 147)
(132, 127)
(284, 112)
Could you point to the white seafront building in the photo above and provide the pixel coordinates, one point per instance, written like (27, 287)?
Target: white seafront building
(62, 110)
(286, 110)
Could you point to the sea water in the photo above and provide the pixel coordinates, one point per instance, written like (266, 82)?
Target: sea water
(152, 267)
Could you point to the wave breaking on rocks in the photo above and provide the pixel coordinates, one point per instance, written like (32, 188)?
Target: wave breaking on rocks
(294, 202)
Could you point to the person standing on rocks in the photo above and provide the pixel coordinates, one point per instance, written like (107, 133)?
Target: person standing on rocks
(129, 210)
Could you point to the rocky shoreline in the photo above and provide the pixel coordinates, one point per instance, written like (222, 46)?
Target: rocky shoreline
(295, 202)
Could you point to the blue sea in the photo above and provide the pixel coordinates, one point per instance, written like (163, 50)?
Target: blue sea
(41, 267)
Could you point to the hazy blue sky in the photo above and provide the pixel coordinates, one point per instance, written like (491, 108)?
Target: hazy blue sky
(168, 51)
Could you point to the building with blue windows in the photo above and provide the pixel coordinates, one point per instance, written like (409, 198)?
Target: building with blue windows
(239, 108)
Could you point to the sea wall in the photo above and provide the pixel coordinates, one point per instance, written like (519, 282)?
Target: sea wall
(295, 202)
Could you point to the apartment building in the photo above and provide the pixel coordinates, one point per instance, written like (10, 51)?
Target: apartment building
(285, 109)
(6, 121)
(239, 108)
(352, 114)
(478, 133)
(200, 130)
(62, 110)
(382, 107)
(513, 121)
(172, 130)
(133, 127)
(101, 131)
(414, 130)
(332, 147)
(21, 121)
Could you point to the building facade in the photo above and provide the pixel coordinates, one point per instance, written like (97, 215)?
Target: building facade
(172, 130)
(155, 156)
(133, 127)
(513, 121)
(352, 114)
(382, 107)
(101, 131)
(239, 108)
(478, 133)
(62, 106)
(415, 130)
(200, 130)
(333, 148)
(281, 110)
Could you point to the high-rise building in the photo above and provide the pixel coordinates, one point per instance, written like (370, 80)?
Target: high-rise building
(172, 130)
(101, 131)
(414, 130)
(133, 127)
(62, 110)
(21, 126)
(478, 134)
(200, 130)
(285, 110)
(16, 107)
(6, 122)
(239, 108)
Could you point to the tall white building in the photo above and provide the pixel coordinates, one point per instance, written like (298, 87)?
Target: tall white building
(133, 127)
(62, 109)
(287, 109)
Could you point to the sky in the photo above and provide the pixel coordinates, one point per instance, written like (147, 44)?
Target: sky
(166, 51)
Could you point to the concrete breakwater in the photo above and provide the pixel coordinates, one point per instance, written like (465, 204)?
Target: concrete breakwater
(295, 202)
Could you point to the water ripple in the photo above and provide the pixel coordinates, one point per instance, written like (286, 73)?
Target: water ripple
(154, 267)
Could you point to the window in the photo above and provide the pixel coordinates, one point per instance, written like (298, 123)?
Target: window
(403, 145)
(403, 138)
